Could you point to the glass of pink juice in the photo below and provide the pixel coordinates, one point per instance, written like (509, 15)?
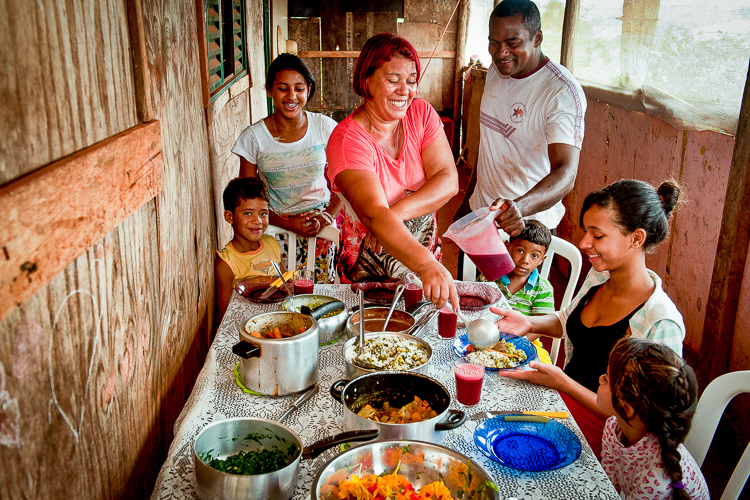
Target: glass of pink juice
(446, 323)
(304, 281)
(412, 294)
(469, 377)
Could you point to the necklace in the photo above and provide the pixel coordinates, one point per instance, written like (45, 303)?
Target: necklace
(278, 137)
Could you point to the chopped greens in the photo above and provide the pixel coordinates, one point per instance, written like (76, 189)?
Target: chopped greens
(248, 463)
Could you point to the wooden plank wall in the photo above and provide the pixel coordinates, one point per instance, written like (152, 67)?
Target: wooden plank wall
(622, 144)
(96, 366)
(306, 32)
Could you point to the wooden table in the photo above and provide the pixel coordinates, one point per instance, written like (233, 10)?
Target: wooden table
(217, 396)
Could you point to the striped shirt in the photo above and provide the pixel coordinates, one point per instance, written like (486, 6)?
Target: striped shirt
(658, 320)
(536, 297)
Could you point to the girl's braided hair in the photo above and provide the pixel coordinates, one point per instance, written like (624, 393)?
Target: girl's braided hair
(662, 390)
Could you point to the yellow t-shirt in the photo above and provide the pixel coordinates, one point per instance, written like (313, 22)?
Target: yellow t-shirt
(256, 263)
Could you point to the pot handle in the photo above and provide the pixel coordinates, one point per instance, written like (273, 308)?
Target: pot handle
(323, 309)
(315, 449)
(417, 306)
(337, 389)
(454, 420)
(246, 350)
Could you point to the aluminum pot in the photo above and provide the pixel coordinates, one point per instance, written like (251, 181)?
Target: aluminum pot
(277, 367)
(228, 437)
(351, 349)
(435, 463)
(398, 389)
(401, 321)
(330, 328)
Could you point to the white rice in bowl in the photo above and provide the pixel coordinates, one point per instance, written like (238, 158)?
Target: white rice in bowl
(493, 359)
(390, 353)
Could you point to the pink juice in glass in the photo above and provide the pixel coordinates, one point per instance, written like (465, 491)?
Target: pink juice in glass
(303, 286)
(412, 294)
(493, 267)
(446, 323)
(469, 383)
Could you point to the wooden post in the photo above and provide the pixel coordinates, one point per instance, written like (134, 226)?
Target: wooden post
(731, 253)
(141, 72)
(463, 29)
(570, 26)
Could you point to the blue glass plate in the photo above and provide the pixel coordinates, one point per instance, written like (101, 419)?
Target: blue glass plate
(462, 342)
(528, 446)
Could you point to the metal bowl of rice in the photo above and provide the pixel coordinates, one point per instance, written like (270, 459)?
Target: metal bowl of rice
(390, 351)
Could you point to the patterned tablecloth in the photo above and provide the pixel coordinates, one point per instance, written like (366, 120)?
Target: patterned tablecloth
(216, 396)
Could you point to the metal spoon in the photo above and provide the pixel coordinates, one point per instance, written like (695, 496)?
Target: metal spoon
(482, 333)
(358, 360)
(396, 296)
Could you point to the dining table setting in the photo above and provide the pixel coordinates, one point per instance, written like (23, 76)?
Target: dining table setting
(285, 373)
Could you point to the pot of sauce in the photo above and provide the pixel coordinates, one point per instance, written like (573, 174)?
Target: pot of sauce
(401, 321)
(277, 367)
(270, 447)
(397, 389)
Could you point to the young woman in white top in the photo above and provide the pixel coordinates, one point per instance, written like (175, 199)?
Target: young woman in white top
(287, 150)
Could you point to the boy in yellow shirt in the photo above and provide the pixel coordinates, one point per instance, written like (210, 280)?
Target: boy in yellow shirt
(250, 252)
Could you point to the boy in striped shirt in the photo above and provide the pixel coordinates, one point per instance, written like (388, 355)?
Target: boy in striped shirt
(526, 291)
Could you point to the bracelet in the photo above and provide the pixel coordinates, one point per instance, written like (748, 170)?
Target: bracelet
(327, 216)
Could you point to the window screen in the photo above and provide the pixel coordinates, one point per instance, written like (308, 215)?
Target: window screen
(226, 42)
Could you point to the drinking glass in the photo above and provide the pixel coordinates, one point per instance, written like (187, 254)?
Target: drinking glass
(446, 324)
(469, 378)
(304, 281)
(412, 294)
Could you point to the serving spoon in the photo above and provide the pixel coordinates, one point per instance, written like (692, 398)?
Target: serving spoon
(358, 359)
(396, 296)
(482, 333)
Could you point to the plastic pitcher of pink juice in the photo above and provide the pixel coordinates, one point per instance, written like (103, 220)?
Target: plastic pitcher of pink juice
(477, 235)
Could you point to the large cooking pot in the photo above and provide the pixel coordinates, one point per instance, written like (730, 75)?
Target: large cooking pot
(277, 367)
(401, 321)
(228, 437)
(421, 463)
(330, 327)
(398, 389)
(351, 349)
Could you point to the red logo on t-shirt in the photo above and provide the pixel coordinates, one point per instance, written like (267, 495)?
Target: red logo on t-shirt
(519, 111)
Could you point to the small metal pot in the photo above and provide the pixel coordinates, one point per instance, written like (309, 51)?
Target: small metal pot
(351, 346)
(277, 367)
(398, 389)
(228, 437)
(330, 328)
(436, 463)
(401, 321)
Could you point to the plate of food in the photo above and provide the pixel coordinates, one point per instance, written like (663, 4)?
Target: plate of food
(511, 352)
(526, 445)
(478, 296)
(252, 288)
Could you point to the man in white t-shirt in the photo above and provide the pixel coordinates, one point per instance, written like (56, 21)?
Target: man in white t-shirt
(531, 125)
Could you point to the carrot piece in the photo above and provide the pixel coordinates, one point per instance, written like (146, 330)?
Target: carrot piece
(256, 334)
(302, 329)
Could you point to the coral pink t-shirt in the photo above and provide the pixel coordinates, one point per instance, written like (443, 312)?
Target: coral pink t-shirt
(351, 148)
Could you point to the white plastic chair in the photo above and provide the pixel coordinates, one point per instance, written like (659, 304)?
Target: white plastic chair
(562, 248)
(328, 233)
(711, 406)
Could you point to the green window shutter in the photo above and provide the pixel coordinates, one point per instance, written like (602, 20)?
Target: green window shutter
(215, 45)
(238, 17)
(226, 42)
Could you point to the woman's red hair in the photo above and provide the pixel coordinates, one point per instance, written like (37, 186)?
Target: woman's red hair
(380, 49)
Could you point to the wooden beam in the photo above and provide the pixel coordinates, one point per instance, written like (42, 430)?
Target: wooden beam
(461, 35)
(443, 54)
(570, 26)
(202, 42)
(141, 73)
(731, 253)
(53, 215)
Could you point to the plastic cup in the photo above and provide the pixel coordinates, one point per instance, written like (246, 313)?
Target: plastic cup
(304, 282)
(446, 323)
(412, 294)
(469, 377)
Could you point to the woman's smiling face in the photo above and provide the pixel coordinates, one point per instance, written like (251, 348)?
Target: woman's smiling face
(392, 86)
(604, 242)
(289, 93)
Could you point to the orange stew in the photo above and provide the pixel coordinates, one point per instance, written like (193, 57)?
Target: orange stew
(416, 411)
(278, 333)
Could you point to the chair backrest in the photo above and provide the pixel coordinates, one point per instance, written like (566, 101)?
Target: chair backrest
(565, 250)
(291, 242)
(711, 406)
(327, 233)
(569, 252)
